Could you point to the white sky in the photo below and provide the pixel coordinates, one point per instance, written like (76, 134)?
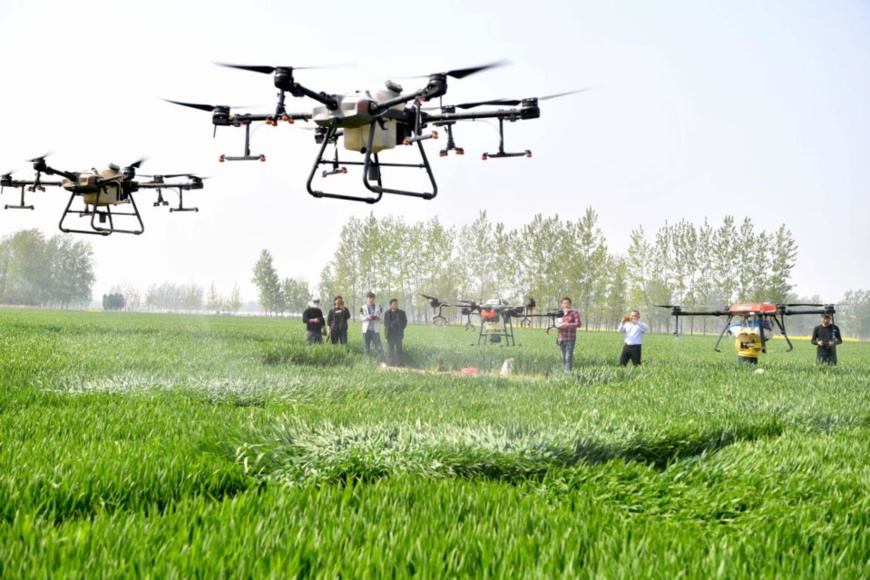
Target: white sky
(699, 109)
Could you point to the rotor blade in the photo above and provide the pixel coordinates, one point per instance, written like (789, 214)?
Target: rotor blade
(199, 106)
(803, 304)
(174, 175)
(138, 163)
(265, 69)
(253, 68)
(40, 158)
(515, 102)
(461, 73)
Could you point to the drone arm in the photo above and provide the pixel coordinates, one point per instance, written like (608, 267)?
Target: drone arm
(330, 101)
(52, 171)
(781, 325)
(377, 108)
(722, 334)
(509, 114)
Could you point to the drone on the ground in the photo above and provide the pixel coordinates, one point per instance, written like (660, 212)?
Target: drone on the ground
(496, 316)
(371, 122)
(99, 190)
(760, 319)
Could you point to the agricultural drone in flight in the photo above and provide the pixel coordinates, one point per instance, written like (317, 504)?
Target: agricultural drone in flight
(371, 122)
(758, 319)
(99, 190)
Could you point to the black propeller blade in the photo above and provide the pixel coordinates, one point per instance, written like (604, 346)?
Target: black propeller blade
(201, 107)
(515, 102)
(461, 73)
(264, 69)
(189, 175)
(129, 172)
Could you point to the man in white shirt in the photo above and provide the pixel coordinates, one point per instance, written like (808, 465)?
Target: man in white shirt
(370, 314)
(633, 329)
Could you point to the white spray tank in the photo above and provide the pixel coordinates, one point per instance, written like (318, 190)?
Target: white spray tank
(357, 138)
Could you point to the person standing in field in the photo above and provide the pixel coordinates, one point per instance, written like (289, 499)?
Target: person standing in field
(336, 321)
(313, 319)
(370, 314)
(633, 329)
(826, 337)
(395, 322)
(567, 326)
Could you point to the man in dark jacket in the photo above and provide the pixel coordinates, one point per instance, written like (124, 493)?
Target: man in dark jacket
(336, 321)
(826, 337)
(395, 322)
(314, 323)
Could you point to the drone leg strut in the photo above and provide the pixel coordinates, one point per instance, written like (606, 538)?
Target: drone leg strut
(327, 138)
(781, 325)
(101, 216)
(379, 189)
(501, 152)
(181, 203)
(247, 156)
(21, 205)
(721, 334)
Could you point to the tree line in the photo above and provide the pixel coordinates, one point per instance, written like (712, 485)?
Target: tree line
(696, 266)
(57, 272)
(170, 297)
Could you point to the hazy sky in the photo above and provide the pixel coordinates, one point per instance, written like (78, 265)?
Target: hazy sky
(699, 109)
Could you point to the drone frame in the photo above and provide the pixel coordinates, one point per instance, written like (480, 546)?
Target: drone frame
(754, 311)
(410, 120)
(100, 214)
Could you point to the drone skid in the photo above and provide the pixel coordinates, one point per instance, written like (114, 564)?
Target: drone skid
(242, 158)
(500, 154)
(493, 332)
(105, 215)
(21, 204)
(372, 171)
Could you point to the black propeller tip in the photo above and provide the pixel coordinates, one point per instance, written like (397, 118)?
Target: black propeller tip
(199, 106)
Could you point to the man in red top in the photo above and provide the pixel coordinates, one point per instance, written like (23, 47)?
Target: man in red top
(567, 326)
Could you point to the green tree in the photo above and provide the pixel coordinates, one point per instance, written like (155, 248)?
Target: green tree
(25, 270)
(234, 302)
(783, 258)
(214, 301)
(344, 274)
(584, 263)
(267, 283)
(192, 297)
(296, 294)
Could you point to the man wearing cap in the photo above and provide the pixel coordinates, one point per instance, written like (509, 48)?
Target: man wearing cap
(313, 319)
(826, 337)
(370, 315)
